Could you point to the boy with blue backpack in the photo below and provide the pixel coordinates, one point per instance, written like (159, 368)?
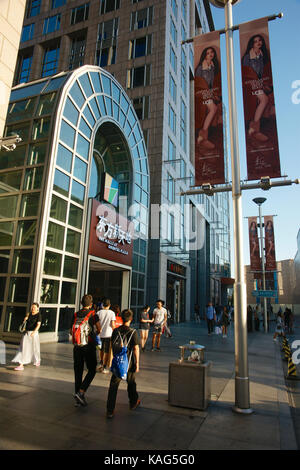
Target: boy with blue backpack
(125, 340)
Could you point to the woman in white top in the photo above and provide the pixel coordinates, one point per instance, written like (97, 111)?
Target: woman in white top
(159, 321)
(107, 319)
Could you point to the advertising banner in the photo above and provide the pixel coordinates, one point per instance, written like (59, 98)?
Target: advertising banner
(255, 259)
(269, 243)
(259, 105)
(209, 146)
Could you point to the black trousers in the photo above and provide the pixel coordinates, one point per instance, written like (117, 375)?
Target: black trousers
(84, 355)
(210, 326)
(113, 390)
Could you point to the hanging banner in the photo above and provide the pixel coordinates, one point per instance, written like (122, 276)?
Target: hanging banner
(259, 106)
(255, 259)
(269, 244)
(209, 147)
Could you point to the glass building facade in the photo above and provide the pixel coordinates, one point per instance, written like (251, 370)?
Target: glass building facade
(74, 127)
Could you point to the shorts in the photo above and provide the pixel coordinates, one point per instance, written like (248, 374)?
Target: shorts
(105, 344)
(157, 330)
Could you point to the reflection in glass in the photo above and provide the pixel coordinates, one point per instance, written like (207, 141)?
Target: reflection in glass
(26, 232)
(58, 208)
(10, 182)
(2, 288)
(37, 153)
(29, 205)
(12, 159)
(75, 216)
(80, 169)
(40, 128)
(33, 178)
(14, 318)
(4, 259)
(55, 236)
(68, 293)
(52, 263)
(64, 158)
(18, 289)
(48, 319)
(49, 291)
(46, 104)
(83, 146)
(73, 242)
(22, 261)
(67, 134)
(6, 233)
(61, 183)
(78, 192)
(21, 110)
(21, 129)
(65, 318)
(71, 112)
(8, 207)
(77, 95)
(70, 267)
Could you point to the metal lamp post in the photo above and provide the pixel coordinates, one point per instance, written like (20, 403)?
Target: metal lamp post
(259, 201)
(242, 394)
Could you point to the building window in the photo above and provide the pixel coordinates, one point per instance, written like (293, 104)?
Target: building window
(171, 228)
(27, 32)
(174, 7)
(173, 32)
(24, 68)
(183, 71)
(50, 61)
(183, 32)
(183, 9)
(172, 119)
(80, 13)
(140, 47)
(33, 8)
(57, 3)
(141, 18)
(142, 107)
(109, 5)
(139, 76)
(77, 53)
(173, 88)
(182, 168)
(183, 124)
(171, 150)
(51, 24)
(107, 42)
(170, 194)
(173, 59)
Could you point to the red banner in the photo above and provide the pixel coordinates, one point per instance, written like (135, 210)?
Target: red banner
(259, 106)
(269, 243)
(209, 147)
(255, 260)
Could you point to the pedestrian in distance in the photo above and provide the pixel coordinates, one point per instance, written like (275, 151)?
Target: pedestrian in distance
(166, 329)
(256, 318)
(249, 319)
(225, 322)
(83, 326)
(197, 313)
(210, 315)
(107, 319)
(130, 338)
(279, 331)
(159, 321)
(145, 323)
(29, 349)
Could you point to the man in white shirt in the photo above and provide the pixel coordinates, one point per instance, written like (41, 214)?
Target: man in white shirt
(107, 319)
(160, 320)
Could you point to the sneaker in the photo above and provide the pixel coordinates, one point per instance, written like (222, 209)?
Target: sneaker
(37, 364)
(158, 349)
(136, 405)
(99, 369)
(152, 349)
(109, 415)
(19, 368)
(77, 402)
(105, 371)
(80, 398)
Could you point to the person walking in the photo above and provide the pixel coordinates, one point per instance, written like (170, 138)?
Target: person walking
(107, 319)
(130, 337)
(29, 349)
(225, 322)
(159, 321)
(249, 319)
(82, 330)
(145, 326)
(279, 327)
(197, 313)
(210, 315)
(256, 318)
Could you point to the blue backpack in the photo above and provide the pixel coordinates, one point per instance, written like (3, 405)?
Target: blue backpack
(120, 362)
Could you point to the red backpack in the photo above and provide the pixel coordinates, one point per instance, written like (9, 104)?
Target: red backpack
(82, 329)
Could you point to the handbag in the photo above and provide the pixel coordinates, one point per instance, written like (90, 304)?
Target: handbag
(22, 327)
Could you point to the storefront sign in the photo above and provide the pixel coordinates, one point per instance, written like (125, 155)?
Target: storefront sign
(259, 106)
(176, 268)
(209, 146)
(111, 234)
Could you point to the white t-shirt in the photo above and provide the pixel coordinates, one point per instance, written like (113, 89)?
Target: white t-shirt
(105, 318)
(159, 315)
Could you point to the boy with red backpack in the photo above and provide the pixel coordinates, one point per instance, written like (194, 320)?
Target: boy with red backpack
(83, 326)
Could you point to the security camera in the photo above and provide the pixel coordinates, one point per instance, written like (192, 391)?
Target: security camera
(9, 143)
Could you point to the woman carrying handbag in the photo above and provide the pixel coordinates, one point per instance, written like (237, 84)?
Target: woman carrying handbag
(29, 349)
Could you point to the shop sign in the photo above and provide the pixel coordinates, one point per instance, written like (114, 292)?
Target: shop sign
(176, 268)
(111, 234)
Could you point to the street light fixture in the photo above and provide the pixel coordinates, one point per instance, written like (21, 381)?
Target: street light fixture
(242, 394)
(259, 201)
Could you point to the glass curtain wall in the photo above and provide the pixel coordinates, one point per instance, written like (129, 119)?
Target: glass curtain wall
(45, 183)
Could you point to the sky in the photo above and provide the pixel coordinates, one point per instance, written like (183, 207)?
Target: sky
(284, 33)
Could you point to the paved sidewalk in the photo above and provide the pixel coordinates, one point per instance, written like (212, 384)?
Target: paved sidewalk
(37, 408)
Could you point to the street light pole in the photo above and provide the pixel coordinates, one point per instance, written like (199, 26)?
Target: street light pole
(259, 201)
(242, 394)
